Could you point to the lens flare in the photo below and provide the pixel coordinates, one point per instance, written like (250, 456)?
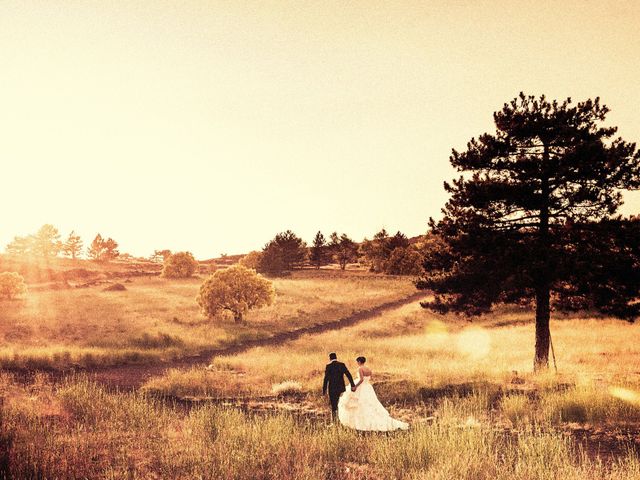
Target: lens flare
(625, 394)
(474, 343)
(436, 332)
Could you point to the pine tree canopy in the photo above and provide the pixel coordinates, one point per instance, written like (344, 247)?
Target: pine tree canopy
(533, 217)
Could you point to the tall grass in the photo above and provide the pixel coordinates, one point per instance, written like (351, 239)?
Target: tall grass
(587, 403)
(95, 434)
(198, 382)
(414, 354)
(65, 358)
(418, 359)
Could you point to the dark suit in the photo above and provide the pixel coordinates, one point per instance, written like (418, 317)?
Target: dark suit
(334, 381)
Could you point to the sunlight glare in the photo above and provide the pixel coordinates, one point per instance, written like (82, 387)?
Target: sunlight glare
(474, 342)
(436, 332)
(625, 394)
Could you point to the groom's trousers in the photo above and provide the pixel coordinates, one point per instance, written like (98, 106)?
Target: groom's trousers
(333, 398)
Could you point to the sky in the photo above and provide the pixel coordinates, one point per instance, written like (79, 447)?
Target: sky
(211, 126)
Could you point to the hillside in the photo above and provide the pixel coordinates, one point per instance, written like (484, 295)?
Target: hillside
(39, 271)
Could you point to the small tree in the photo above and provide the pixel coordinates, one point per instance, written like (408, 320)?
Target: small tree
(73, 246)
(318, 252)
(404, 261)
(251, 260)
(377, 252)
(11, 284)
(110, 249)
(160, 255)
(46, 242)
(102, 250)
(20, 246)
(271, 261)
(293, 249)
(237, 290)
(343, 249)
(180, 265)
(96, 249)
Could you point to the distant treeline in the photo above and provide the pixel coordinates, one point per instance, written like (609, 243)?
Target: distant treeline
(384, 253)
(46, 243)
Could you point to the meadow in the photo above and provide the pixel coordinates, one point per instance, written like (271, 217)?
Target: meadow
(476, 410)
(410, 349)
(466, 388)
(79, 430)
(154, 319)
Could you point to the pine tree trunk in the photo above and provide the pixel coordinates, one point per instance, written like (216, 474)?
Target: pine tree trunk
(543, 290)
(541, 360)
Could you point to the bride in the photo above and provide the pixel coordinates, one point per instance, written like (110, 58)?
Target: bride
(361, 409)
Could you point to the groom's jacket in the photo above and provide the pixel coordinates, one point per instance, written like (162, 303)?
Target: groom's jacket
(334, 378)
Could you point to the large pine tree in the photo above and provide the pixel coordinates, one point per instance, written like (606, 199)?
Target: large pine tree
(533, 218)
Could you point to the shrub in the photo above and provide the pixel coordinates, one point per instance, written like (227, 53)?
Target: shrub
(251, 260)
(377, 252)
(11, 284)
(180, 265)
(236, 289)
(404, 261)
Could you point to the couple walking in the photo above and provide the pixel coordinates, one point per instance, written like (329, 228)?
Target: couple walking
(359, 407)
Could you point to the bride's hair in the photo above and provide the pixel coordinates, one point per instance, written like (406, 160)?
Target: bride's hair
(361, 359)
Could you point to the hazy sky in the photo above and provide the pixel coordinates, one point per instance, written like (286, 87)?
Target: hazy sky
(210, 126)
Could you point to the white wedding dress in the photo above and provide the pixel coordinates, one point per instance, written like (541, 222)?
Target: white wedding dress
(363, 411)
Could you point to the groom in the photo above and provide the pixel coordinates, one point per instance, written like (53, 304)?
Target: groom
(334, 379)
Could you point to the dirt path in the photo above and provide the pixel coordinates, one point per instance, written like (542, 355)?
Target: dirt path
(128, 377)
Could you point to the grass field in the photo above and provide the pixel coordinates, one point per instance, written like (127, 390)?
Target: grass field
(78, 430)
(411, 349)
(456, 374)
(158, 318)
(476, 410)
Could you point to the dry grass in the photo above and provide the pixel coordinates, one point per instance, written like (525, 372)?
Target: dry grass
(157, 317)
(417, 356)
(80, 431)
(486, 422)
